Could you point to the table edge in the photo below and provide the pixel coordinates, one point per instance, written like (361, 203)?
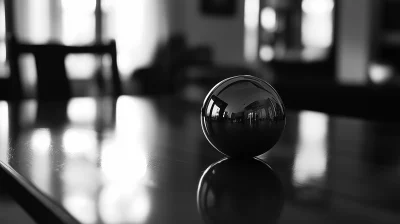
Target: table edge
(40, 207)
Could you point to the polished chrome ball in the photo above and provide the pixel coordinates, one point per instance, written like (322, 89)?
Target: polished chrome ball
(243, 116)
(240, 191)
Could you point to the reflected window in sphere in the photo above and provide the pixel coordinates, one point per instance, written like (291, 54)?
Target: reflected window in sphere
(243, 116)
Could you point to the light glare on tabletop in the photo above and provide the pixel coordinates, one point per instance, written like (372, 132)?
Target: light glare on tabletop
(80, 142)
(40, 171)
(81, 181)
(311, 151)
(119, 204)
(82, 110)
(41, 140)
(28, 112)
(136, 121)
(82, 207)
(122, 164)
(4, 130)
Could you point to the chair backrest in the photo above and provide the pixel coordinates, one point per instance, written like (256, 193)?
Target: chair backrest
(52, 80)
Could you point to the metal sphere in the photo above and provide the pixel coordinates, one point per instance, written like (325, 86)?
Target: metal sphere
(240, 191)
(243, 116)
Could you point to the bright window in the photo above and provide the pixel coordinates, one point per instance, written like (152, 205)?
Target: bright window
(3, 50)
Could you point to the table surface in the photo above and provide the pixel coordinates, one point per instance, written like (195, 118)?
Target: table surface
(140, 160)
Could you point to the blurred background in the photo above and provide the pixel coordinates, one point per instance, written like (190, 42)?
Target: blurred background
(333, 56)
(321, 50)
(164, 45)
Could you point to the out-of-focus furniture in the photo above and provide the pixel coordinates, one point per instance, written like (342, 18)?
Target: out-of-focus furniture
(52, 80)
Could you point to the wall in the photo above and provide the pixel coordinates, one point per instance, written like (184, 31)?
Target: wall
(354, 41)
(223, 34)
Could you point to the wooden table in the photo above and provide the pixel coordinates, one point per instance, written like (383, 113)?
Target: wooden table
(140, 160)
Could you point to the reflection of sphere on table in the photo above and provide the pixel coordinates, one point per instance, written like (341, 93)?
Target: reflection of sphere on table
(240, 191)
(243, 116)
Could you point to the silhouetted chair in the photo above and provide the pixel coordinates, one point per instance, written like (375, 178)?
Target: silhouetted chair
(52, 80)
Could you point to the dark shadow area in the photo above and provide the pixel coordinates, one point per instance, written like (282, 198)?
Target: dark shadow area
(368, 102)
(240, 191)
